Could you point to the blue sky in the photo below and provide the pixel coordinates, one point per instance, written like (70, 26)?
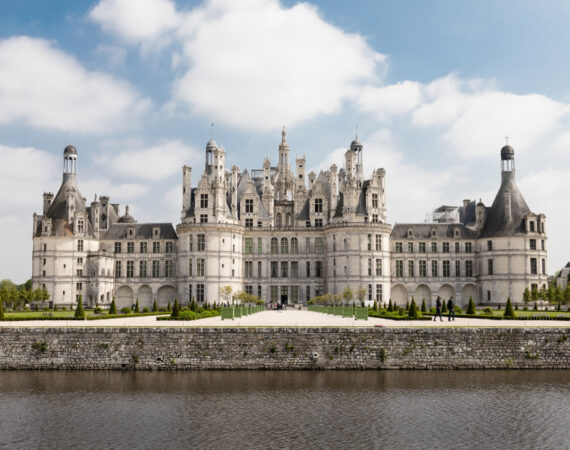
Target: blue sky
(433, 88)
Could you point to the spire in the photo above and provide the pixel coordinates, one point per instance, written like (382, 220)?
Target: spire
(283, 135)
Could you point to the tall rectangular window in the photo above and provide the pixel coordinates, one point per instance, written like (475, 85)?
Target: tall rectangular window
(445, 247)
(543, 266)
(533, 244)
(307, 245)
(142, 269)
(434, 268)
(249, 223)
(156, 269)
(190, 271)
(168, 268)
(422, 247)
(398, 247)
(410, 247)
(446, 269)
(130, 247)
(274, 294)
(374, 200)
(200, 270)
(411, 268)
(294, 269)
(318, 205)
(274, 268)
(369, 292)
(203, 200)
(369, 267)
(249, 269)
(169, 247)
(117, 269)
(284, 269)
(399, 268)
(143, 247)
(319, 245)
(490, 266)
(259, 269)
(434, 247)
(457, 247)
(308, 269)
(248, 246)
(533, 268)
(489, 245)
(79, 245)
(378, 242)
(423, 268)
(259, 245)
(308, 293)
(294, 246)
(156, 247)
(249, 205)
(378, 267)
(457, 268)
(294, 294)
(201, 242)
(369, 242)
(469, 268)
(319, 269)
(130, 269)
(117, 247)
(468, 247)
(200, 293)
(379, 293)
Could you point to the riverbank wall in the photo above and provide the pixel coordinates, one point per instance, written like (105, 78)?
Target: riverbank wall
(284, 348)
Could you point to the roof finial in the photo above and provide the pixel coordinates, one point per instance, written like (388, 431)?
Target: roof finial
(507, 139)
(127, 209)
(356, 132)
(283, 134)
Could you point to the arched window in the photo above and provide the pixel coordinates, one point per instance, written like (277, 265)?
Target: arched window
(294, 246)
(274, 245)
(284, 246)
(278, 220)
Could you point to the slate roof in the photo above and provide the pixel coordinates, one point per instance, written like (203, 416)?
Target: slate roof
(143, 231)
(423, 231)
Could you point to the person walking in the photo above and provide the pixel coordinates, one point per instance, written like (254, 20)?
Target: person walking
(438, 309)
(450, 309)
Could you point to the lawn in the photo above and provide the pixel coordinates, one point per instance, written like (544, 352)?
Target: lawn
(67, 315)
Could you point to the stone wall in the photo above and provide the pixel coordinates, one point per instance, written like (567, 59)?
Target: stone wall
(284, 348)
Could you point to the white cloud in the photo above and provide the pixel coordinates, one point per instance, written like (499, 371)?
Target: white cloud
(114, 54)
(392, 100)
(151, 163)
(136, 21)
(44, 87)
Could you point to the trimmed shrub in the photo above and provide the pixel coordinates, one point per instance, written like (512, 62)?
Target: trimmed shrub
(113, 307)
(175, 310)
(407, 306)
(390, 306)
(471, 307)
(154, 306)
(488, 311)
(98, 310)
(424, 308)
(413, 311)
(169, 308)
(137, 307)
(509, 312)
(458, 310)
(535, 307)
(79, 312)
(54, 307)
(193, 306)
(145, 309)
(126, 310)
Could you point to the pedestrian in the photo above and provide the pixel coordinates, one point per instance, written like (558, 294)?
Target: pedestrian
(450, 309)
(438, 309)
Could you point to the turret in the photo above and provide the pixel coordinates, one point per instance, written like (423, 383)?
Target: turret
(356, 148)
(480, 215)
(48, 199)
(283, 165)
(233, 187)
(186, 188)
(300, 180)
(95, 212)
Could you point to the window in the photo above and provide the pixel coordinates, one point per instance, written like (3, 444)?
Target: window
(434, 268)
(468, 268)
(284, 269)
(307, 245)
(156, 247)
(274, 245)
(249, 205)
(294, 269)
(79, 260)
(434, 247)
(201, 243)
(399, 268)
(203, 200)
(490, 266)
(169, 247)
(142, 269)
(318, 205)
(446, 269)
(489, 245)
(156, 269)
(544, 267)
(308, 269)
(79, 287)
(259, 291)
(117, 269)
(143, 247)
(369, 267)
(457, 268)
(259, 245)
(422, 247)
(274, 294)
(294, 294)
(79, 272)
(284, 246)
(318, 222)
(80, 246)
(294, 246)
(200, 293)
(457, 247)
(249, 289)
(200, 267)
(374, 200)
(130, 247)
(168, 268)
(249, 269)
(542, 246)
(369, 242)
(259, 269)
(274, 269)
(398, 247)
(248, 246)
(378, 242)
(308, 292)
(531, 224)
(319, 269)
(45, 247)
(445, 247)
(488, 296)
(203, 218)
(533, 244)
(410, 268)
(378, 267)
(130, 269)
(117, 247)
(379, 293)
(468, 247)
(533, 268)
(44, 261)
(249, 223)
(423, 268)
(375, 218)
(410, 247)
(319, 245)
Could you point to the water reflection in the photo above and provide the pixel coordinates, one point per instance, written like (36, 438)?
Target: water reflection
(267, 409)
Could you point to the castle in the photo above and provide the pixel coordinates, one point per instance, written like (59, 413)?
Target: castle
(286, 237)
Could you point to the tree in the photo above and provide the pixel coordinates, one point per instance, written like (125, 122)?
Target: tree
(362, 291)
(526, 297)
(535, 306)
(347, 295)
(471, 307)
(154, 306)
(168, 307)
(509, 312)
(424, 308)
(375, 306)
(413, 311)
(443, 306)
(137, 306)
(1, 310)
(408, 305)
(175, 310)
(79, 312)
(534, 293)
(193, 305)
(226, 293)
(113, 307)
(567, 294)
(390, 306)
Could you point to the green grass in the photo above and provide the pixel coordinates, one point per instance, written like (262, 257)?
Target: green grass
(67, 315)
(520, 314)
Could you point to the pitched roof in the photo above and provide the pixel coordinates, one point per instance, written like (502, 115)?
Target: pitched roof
(143, 231)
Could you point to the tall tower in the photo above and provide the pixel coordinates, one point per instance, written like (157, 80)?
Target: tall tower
(283, 165)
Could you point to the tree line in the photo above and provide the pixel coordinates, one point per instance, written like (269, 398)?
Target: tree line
(17, 295)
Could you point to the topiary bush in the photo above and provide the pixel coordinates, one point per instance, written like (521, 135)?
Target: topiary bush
(471, 307)
(146, 309)
(509, 312)
(113, 307)
(413, 311)
(79, 312)
(424, 309)
(126, 310)
(175, 310)
(488, 311)
(154, 306)
(137, 307)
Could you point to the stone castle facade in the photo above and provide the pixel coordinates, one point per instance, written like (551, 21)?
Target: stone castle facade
(286, 236)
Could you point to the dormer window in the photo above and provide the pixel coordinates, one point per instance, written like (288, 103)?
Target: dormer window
(131, 232)
(80, 226)
(249, 205)
(203, 200)
(531, 226)
(318, 205)
(410, 233)
(375, 200)
(156, 232)
(433, 233)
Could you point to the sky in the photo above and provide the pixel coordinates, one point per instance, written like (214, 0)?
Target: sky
(431, 88)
